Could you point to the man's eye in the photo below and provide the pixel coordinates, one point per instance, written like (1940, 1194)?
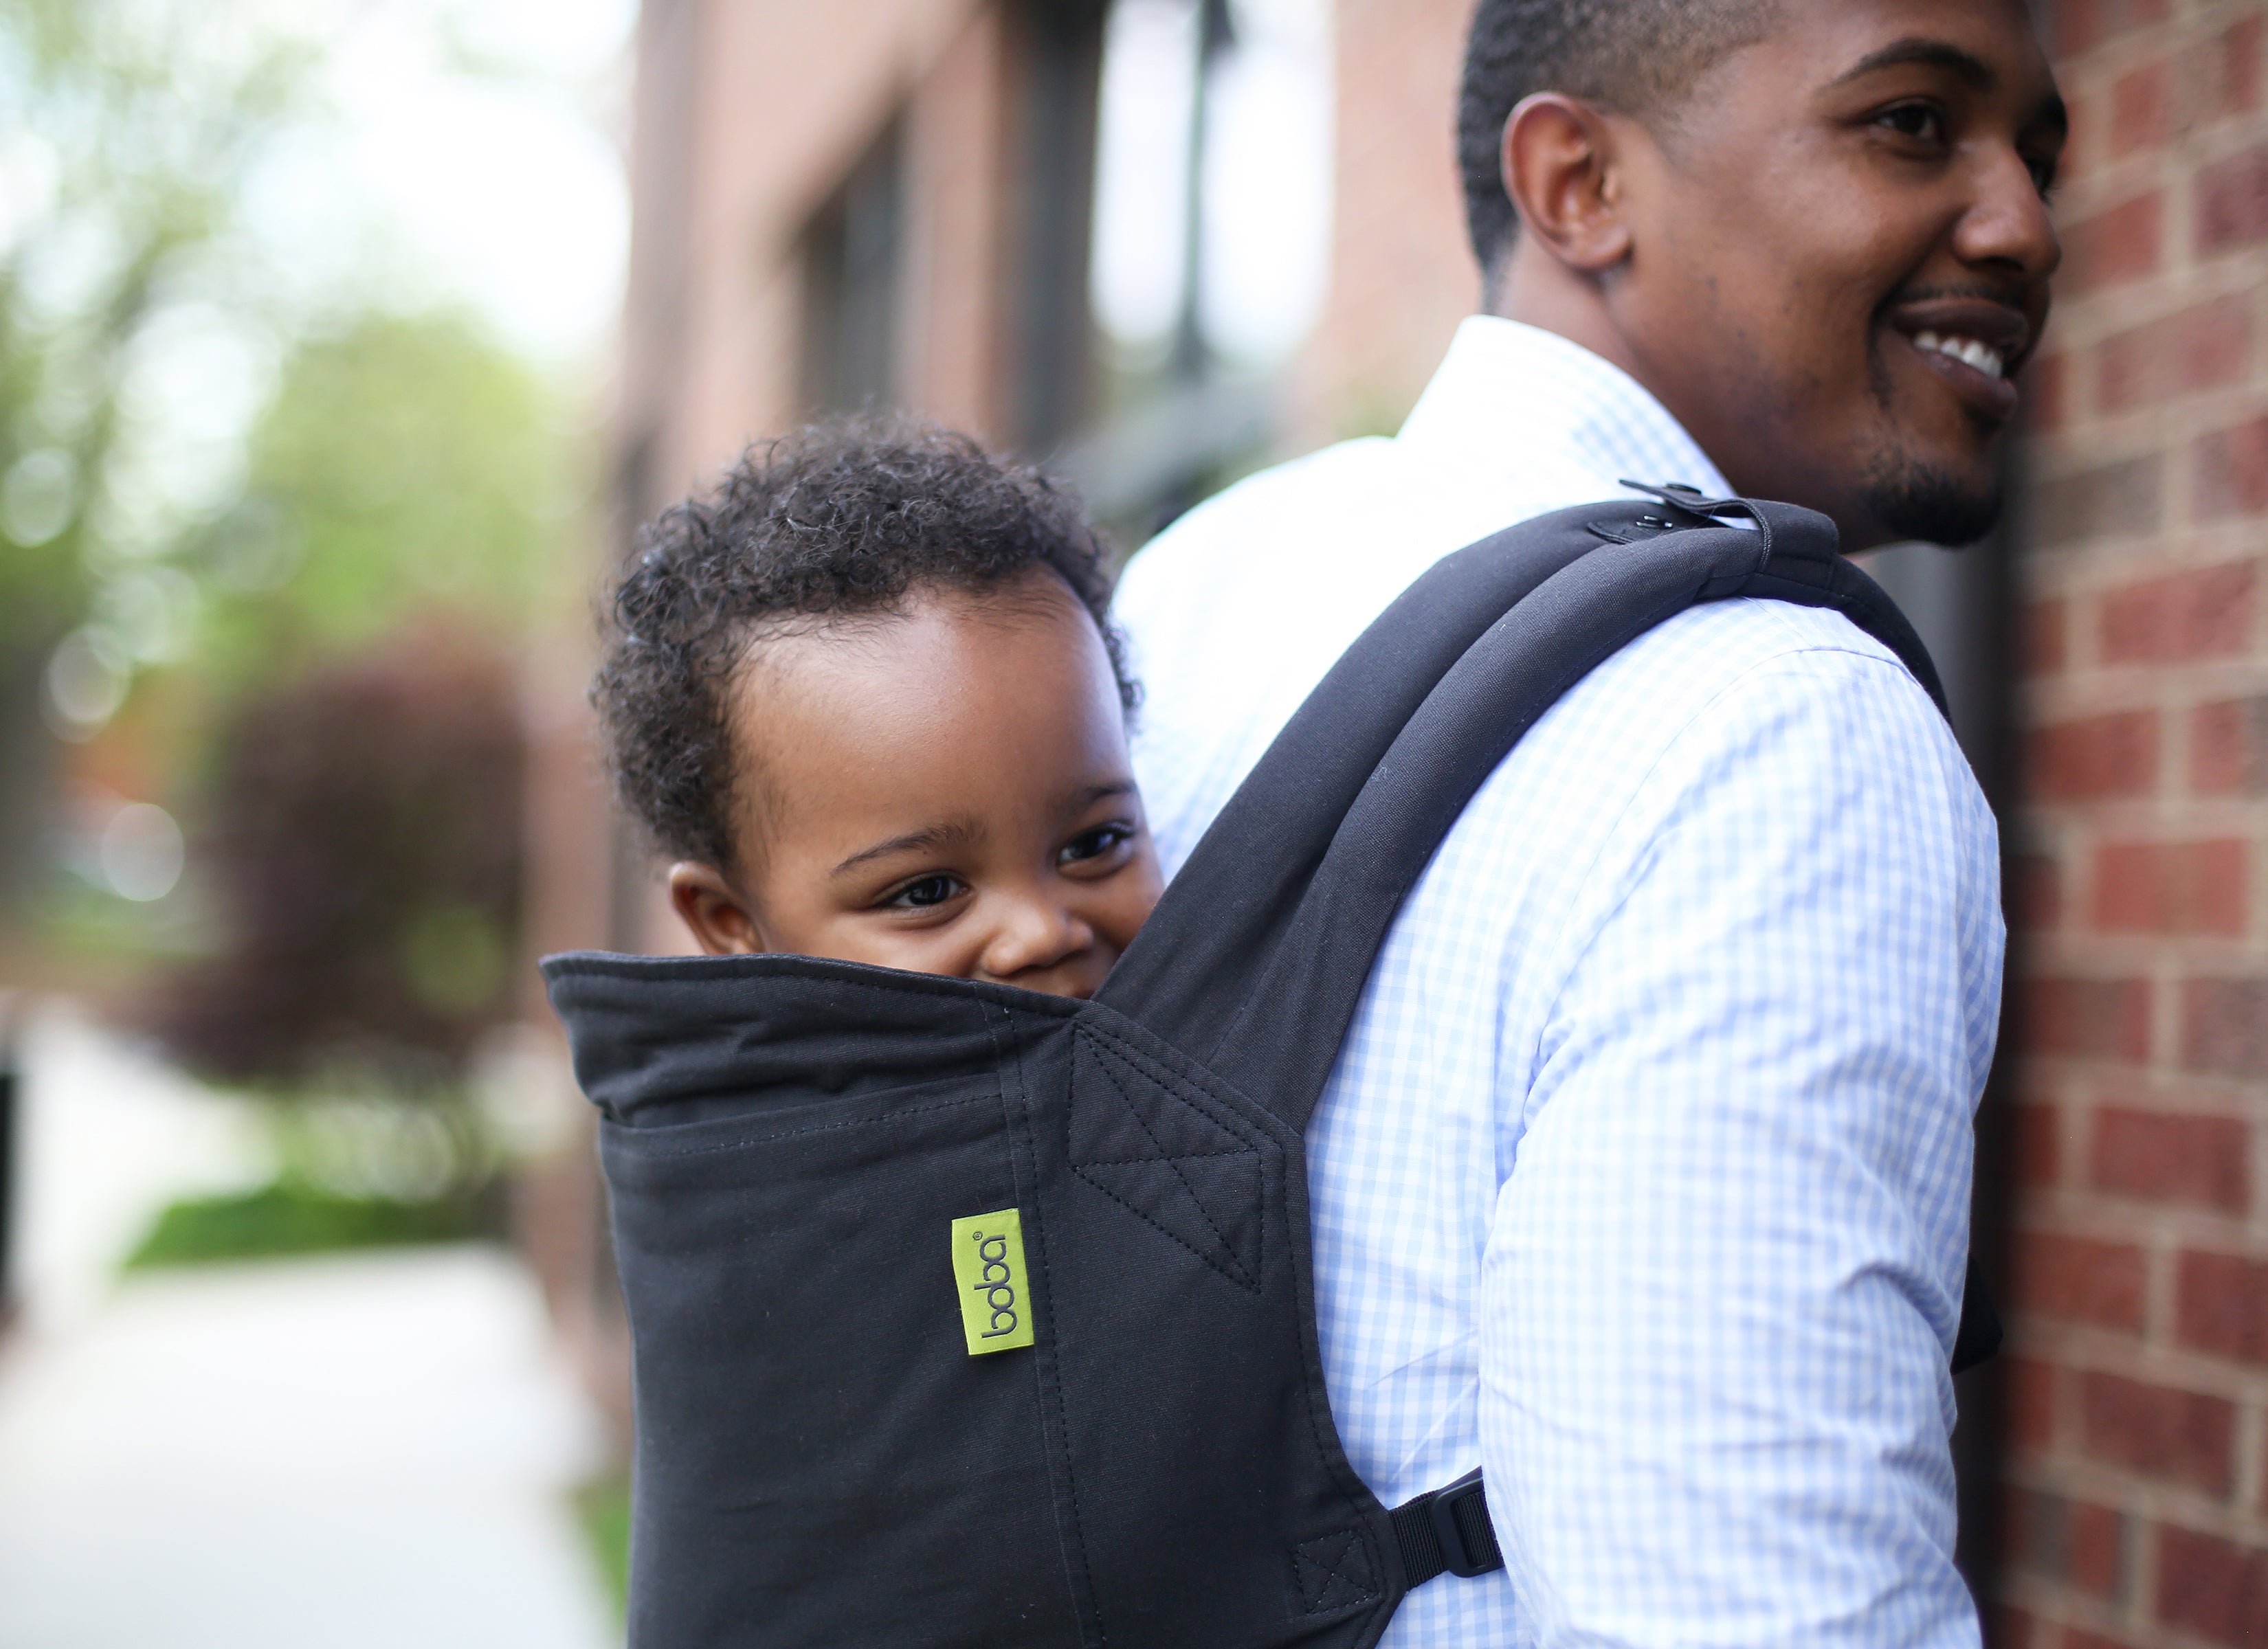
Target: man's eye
(2043, 176)
(1093, 845)
(1919, 120)
(926, 892)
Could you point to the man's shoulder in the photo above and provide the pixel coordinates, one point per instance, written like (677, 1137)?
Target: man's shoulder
(1745, 708)
(1700, 661)
(1723, 680)
(1718, 706)
(1294, 561)
(1270, 511)
(1720, 640)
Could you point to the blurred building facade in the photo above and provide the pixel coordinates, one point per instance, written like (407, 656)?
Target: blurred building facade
(888, 202)
(843, 204)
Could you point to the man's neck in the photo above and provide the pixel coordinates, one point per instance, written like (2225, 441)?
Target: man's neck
(1538, 291)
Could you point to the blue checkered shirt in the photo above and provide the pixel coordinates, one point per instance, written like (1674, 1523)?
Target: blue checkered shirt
(1643, 1176)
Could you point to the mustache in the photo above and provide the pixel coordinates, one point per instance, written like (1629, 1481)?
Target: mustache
(2011, 295)
(2015, 295)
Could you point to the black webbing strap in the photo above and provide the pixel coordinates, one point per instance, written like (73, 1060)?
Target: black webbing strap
(1447, 1531)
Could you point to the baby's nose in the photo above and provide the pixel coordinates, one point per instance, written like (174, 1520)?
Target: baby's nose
(1034, 934)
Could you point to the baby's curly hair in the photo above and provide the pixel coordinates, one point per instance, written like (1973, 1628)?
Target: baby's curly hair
(840, 518)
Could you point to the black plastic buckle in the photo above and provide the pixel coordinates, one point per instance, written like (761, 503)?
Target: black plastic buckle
(1680, 495)
(1630, 532)
(1441, 1506)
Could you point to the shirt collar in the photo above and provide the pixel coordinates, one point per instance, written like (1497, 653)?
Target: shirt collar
(1509, 396)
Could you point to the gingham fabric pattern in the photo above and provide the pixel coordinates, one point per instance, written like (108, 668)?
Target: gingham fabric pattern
(1643, 1176)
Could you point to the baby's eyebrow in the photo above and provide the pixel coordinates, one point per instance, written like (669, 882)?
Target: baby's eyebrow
(1080, 800)
(959, 833)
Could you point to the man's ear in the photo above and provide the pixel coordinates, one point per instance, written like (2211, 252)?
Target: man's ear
(1563, 172)
(713, 911)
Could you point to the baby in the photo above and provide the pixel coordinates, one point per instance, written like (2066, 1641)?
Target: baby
(866, 694)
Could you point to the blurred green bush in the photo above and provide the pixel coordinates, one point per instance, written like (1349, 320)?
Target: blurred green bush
(286, 1218)
(605, 1511)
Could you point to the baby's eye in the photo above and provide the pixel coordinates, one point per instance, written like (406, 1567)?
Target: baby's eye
(1093, 845)
(928, 892)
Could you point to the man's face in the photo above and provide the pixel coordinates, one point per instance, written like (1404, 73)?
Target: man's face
(1840, 256)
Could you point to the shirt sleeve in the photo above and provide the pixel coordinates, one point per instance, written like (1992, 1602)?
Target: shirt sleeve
(1725, 1270)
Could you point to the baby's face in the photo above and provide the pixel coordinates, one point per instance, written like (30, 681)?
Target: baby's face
(945, 791)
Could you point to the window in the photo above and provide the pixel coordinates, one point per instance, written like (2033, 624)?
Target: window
(853, 260)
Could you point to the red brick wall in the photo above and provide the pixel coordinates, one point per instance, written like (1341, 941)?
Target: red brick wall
(2138, 1448)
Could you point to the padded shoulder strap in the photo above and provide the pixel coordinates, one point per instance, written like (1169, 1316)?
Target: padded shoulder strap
(1256, 959)
(1186, 976)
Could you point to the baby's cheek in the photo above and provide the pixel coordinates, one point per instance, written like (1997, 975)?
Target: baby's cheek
(1133, 895)
(954, 950)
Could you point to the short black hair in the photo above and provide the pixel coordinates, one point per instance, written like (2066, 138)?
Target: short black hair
(1631, 56)
(840, 518)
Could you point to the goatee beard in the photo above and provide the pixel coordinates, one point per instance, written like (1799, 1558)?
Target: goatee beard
(1916, 501)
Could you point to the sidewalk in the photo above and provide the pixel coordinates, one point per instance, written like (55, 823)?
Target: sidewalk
(344, 1451)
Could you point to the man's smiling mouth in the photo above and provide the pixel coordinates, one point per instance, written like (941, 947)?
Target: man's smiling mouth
(1971, 351)
(1971, 342)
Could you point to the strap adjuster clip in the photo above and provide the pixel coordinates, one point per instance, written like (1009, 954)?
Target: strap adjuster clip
(1457, 1556)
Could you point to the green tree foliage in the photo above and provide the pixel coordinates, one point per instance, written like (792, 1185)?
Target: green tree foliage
(127, 128)
(127, 132)
(407, 464)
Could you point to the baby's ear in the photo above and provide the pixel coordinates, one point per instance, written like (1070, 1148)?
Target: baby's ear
(712, 912)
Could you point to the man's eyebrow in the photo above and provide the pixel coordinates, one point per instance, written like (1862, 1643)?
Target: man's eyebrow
(1915, 49)
(936, 835)
(1970, 68)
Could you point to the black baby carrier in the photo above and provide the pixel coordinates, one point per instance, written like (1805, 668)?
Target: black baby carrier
(966, 1316)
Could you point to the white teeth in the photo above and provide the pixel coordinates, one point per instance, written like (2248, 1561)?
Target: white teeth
(1983, 357)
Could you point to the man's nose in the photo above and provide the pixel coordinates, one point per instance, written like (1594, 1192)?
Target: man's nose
(1033, 933)
(2007, 224)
